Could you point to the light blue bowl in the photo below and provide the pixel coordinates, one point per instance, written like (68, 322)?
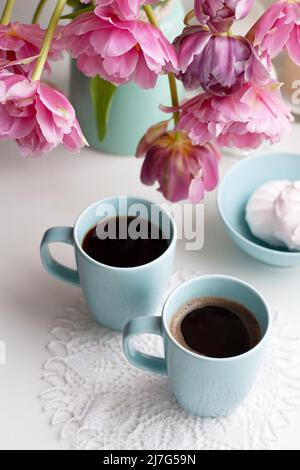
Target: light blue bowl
(236, 188)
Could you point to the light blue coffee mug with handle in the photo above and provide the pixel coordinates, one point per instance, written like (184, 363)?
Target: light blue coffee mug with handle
(114, 295)
(203, 386)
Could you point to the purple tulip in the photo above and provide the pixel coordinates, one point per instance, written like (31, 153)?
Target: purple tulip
(219, 15)
(183, 170)
(219, 63)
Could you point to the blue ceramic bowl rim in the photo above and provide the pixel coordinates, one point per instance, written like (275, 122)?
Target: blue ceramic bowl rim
(224, 278)
(282, 254)
(128, 196)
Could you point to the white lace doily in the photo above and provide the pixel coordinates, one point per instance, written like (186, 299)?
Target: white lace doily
(102, 402)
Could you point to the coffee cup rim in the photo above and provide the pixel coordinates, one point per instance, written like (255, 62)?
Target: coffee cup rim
(116, 268)
(166, 324)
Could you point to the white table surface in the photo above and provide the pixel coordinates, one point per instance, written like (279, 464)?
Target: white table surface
(41, 193)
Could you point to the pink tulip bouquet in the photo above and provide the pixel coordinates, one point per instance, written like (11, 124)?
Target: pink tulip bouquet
(236, 101)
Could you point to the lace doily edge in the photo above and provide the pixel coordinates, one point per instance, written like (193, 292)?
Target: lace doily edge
(56, 396)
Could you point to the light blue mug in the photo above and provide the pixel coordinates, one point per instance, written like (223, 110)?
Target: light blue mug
(203, 386)
(114, 295)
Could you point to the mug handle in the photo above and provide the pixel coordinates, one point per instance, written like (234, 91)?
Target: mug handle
(139, 325)
(58, 235)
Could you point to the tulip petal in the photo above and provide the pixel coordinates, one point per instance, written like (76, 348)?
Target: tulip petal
(293, 45)
(196, 190)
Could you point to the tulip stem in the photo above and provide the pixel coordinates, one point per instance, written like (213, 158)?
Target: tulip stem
(188, 17)
(38, 70)
(150, 15)
(172, 79)
(174, 96)
(38, 11)
(6, 15)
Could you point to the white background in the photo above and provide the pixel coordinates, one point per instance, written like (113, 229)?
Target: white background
(37, 194)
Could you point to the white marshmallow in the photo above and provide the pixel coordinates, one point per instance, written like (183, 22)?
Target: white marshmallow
(287, 215)
(260, 214)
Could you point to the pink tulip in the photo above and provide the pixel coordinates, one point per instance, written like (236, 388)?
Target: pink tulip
(183, 171)
(21, 41)
(219, 15)
(124, 9)
(119, 51)
(279, 27)
(244, 119)
(36, 116)
(220, 64)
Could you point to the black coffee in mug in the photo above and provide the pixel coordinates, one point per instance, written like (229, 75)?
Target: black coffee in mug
(216, 327)
(125, 242)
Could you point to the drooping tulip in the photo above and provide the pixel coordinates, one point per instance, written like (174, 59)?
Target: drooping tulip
(220, 64)
(36, 116)
(22, 41)
(244, 119)
(119, 51)
(183, 170)
(278, 28)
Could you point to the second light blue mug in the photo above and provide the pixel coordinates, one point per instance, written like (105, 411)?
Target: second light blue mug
(114, 295)
(203, 386)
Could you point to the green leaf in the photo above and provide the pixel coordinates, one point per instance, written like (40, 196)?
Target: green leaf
(73, 3)
(102, 93)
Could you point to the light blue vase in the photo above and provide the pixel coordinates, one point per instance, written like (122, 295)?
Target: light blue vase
(133, 110)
